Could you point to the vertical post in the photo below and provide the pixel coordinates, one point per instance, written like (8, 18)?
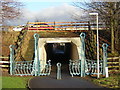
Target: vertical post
(89, 27)
(49, 66)
(36, 59)
(27, 26)
(58, 70)
(82, 36)
(11, 58)
(98, 69)
(54, 25)
(105, 68)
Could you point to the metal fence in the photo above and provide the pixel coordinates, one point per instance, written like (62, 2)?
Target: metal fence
(33, 67)
(85, 66)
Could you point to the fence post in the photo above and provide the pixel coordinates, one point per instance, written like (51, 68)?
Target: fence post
(89, 27)
(11, 59)
(105, 67)
(36, 59)
(82, 54)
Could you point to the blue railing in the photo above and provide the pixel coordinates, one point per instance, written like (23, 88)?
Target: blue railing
(33, 67)
(85, 66)
(75, 67)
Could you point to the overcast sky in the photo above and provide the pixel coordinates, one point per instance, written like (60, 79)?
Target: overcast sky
(52, 10)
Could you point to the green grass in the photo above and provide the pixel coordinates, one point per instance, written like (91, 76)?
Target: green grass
(110, 82)
(14, 82)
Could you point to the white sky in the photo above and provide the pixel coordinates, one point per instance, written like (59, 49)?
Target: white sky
(47, 11)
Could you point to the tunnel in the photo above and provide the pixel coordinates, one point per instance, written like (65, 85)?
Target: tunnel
(58, 52)
(59, 49)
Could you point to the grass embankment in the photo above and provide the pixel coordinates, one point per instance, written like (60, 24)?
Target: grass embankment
(27, 50)
(111, 82)
(15, 82)
(8, 38)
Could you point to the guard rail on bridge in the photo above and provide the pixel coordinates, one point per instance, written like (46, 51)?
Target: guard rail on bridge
(63, 26)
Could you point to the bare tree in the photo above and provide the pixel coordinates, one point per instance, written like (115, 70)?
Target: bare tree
(10, 9)
(109, 12)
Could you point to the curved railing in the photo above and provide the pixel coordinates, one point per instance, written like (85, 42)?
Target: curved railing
(45, 69)
(75, 67)
(92, 67)
(23, 68)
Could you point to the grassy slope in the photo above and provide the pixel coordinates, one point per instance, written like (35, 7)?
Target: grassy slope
(14, 82)
(110, 82)
(8, 38)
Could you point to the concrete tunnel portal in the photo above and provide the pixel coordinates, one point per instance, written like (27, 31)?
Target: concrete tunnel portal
(59, 49)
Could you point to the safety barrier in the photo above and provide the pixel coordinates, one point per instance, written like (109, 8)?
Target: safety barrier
(85, 66)
(33, 67)
(75, 67)
(22, 68)
(92, 67)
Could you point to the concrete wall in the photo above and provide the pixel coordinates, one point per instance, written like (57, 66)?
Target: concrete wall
(75, 46)
(74, 52)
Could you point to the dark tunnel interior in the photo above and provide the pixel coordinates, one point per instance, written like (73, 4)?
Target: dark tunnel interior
(58, 52)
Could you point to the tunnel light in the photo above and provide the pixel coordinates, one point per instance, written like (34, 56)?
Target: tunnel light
(58, 41)
(62, 44)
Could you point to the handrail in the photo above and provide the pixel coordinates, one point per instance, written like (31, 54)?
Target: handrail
(3, 57)
(109, 58)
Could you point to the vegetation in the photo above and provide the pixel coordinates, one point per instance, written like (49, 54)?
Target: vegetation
(109, 12)
(14, 82)
(110, 82)
(11, 9)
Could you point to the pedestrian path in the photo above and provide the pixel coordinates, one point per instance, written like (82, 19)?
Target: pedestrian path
(66, 82)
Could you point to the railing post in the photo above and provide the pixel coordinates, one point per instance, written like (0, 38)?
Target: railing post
(49, 66)
(36, 59)
(82, 54)
(11, 59)
(58, 70)
(105, 67)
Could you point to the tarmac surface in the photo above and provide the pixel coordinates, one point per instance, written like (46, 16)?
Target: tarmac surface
(67, 81)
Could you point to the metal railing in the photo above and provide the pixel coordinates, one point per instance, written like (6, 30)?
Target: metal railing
(23, 68)
(75, 67)
(85, 66)
(33, 67)
(92, 67)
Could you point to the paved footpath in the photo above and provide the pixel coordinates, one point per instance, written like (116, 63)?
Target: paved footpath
(66, 82)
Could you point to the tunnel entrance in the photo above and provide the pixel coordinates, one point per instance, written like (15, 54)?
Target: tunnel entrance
(58, 52)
